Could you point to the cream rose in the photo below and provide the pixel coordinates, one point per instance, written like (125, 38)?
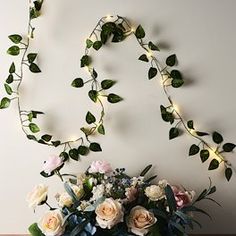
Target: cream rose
(155, 192)
(51, 224)
(37, 196)
(65, 199)
(109, 213)
(140, 220)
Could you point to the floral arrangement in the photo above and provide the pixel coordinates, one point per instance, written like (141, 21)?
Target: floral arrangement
(103, 202)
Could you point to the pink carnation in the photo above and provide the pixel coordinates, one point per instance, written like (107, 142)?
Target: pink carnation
(101, 167)
(182, 196)
(51, 164)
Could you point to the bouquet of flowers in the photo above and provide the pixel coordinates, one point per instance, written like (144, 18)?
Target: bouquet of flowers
(107, 202)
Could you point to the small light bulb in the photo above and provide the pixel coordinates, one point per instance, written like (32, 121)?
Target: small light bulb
(87, 68)
(175, 107)
(133, 29)
(73, 138)
(149, 54)
(108, 17)
(192, 131)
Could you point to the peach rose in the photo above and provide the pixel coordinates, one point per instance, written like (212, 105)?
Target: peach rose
(51, 224)
(140, 220)
(182, 196)
(109, 213)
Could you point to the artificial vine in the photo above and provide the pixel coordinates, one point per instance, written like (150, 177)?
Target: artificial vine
(114, 29)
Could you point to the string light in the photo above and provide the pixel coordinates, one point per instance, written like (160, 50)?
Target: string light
(175, 107)
(149, 54)
(109, 17)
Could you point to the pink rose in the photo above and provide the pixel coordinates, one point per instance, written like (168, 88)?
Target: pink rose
(51, 164)
(182, 196)
(101, 167)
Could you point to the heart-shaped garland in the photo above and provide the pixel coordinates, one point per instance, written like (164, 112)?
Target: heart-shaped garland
(117, 28)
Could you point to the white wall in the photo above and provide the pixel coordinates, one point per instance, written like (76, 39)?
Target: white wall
(202, 33)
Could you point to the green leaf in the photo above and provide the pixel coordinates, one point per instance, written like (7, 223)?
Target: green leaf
(89, 43)
(119, 35)
(34, 13)
(228, 173)
(95, 147)
(97, 45)
(14, 51)
(74, 154)
(36, 113)
(166, 116)
(56, 143)
(9, 79)
(34, 68)
(140, 33)
(217, 138)
(83, 150)
(15, 38)
(171, 60)
(93, 95)
(200, 134)
(152, 72)
(34, 230)
(114, 98)
(194, 149)
(204, 154)
(34, 128)
(214, 164)
(46, 137)
(12, 68)
(85, 61)
(31, 57)
(5, 103)
(173, 133)
(90, 118)
(177, 80)
(64, 156)
(228, 147)
(38, 4)
(190, 124)
(145, 170)
(170, 199)
(143, 58)
(94, 74)
(46, 175)
(106, 84)
(101, 129)
(8, 89)
(77, 83)
(31, 137)
(153, 47)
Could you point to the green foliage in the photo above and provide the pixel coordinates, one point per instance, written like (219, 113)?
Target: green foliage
(83, 150)
(31, 57)
(200, 134)
(228, 173)
(85, 61)
(74, 154)
(140, 33)
(46, 137)
(34, 128)
(144, 58)
(12, 68)
(8, 89)
(114, 98)
(173, 133)
(15, 38)
(93, 95)
(170, 199)
(177, 80)
(171, 60)
(5, 103)
(77, 83)
(194, 149)
(217, 138)
(56, 143)
(14, 51)
(166, 116)
(228, 147)
(106, 84)
(89, 43)
(214, 164)
(190, 124)
(101, 129)
(90, 118)
(95, 147)
(34, 230)
(204, 155)
(10, 79)
(153, 47)
(97, 45)
(152, 72)
(146, 170)
(34, 68)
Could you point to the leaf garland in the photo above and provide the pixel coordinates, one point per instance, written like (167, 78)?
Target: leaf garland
(114, 30)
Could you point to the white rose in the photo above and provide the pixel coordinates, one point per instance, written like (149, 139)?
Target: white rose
(98, 192)
(109, 213)
(37, 196)
(155, 192)
(51, 224)
(140, 220)
(65, 199)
